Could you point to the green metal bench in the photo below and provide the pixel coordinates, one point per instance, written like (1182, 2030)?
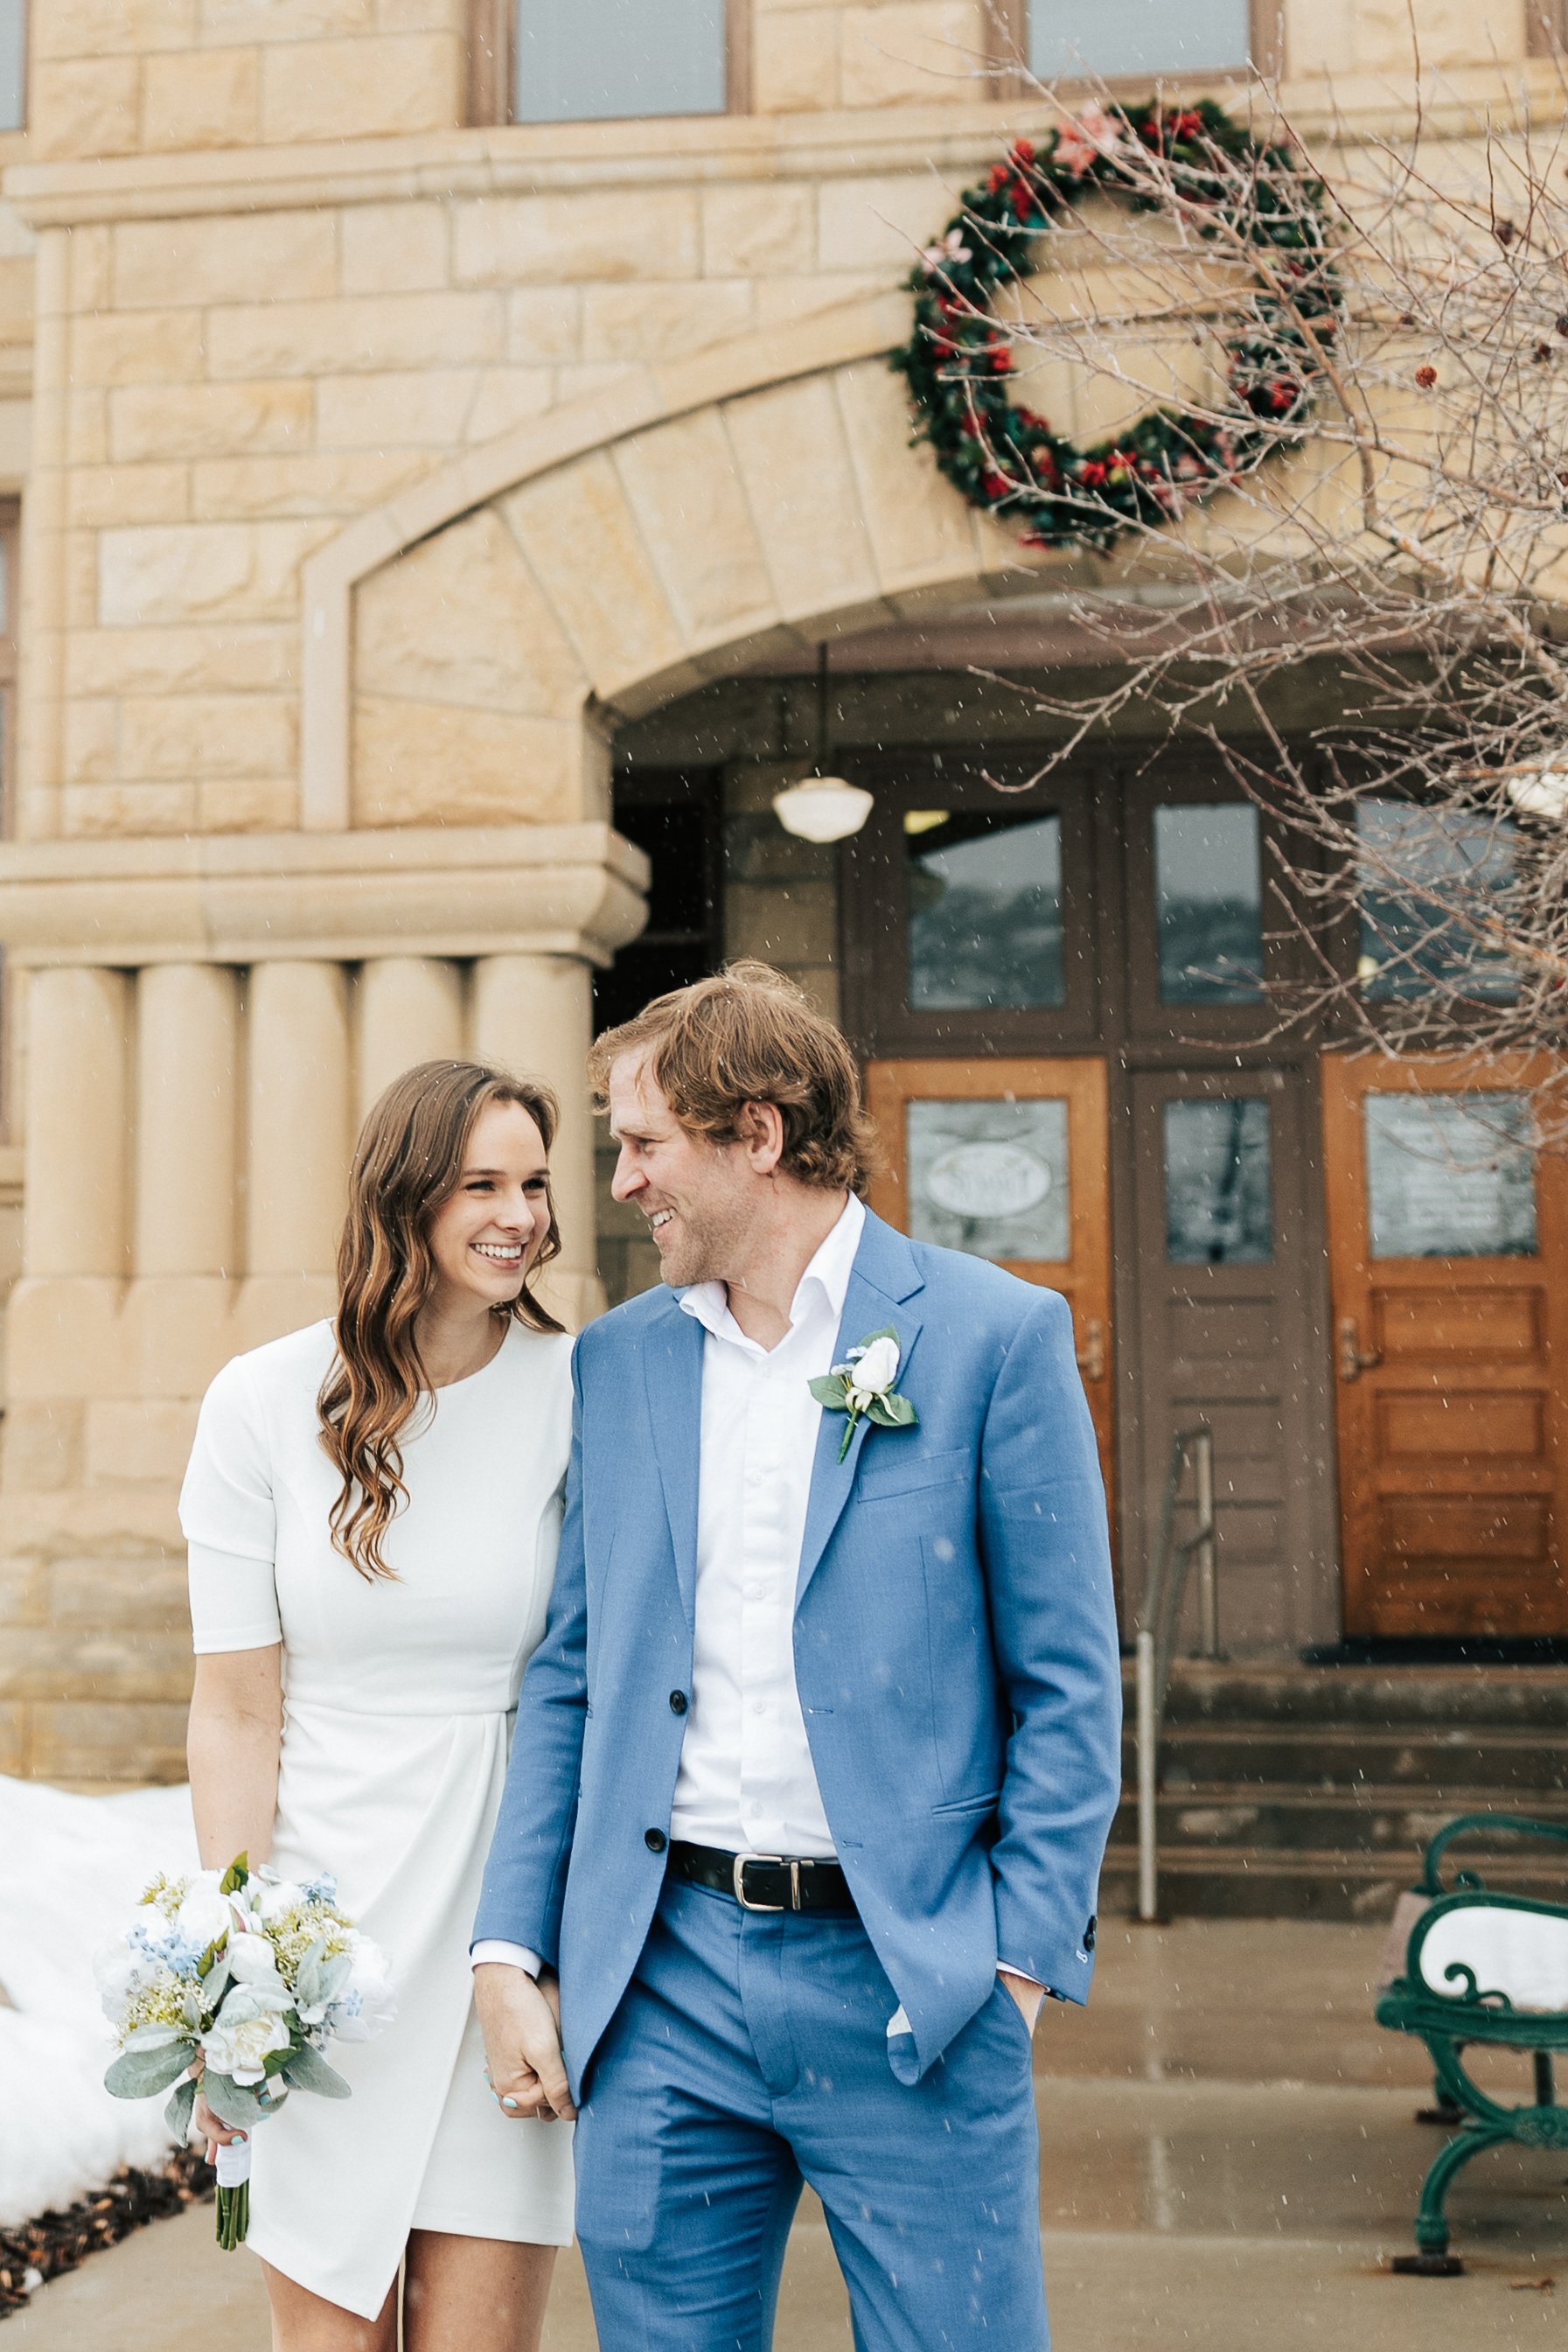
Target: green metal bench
(1481, 1969)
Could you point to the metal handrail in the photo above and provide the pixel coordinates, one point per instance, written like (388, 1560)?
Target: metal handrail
(1156, 1634)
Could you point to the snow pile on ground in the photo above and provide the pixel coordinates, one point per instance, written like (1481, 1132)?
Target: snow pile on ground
(71, 1869)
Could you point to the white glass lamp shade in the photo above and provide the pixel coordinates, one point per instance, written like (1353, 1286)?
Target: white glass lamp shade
(822, 808)
(1541, 791)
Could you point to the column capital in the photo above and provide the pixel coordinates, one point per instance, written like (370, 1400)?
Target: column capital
(244, 899)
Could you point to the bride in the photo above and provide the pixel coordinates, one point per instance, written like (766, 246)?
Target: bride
(372, 1509)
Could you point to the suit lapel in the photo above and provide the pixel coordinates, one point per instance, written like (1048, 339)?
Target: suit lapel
(673, 1369)
(884, 1279)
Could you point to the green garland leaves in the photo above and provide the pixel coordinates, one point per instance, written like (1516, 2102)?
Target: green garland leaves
(1004, 457)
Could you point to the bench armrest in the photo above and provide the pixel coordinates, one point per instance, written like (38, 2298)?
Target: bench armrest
(1480, 1825)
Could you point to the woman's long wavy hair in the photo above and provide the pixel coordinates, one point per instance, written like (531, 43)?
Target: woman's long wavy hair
(407, 1163)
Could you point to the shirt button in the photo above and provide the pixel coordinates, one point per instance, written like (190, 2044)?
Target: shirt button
(656, 1841)
(677, 1702)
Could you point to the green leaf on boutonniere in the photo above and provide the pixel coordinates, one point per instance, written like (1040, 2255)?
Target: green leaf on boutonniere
(863, 1388)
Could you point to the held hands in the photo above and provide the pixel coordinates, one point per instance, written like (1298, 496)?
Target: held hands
(521, 2023)
(216, 2133)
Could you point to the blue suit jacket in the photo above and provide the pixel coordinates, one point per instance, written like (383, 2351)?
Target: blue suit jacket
(955, 1652)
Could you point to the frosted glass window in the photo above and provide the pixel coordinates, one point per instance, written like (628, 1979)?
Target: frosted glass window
(595, 61)
(1137, 36)
(1209, 903)
(1451, 1175)
(989, 1177)
(1407, 943)
(985, 911)
(13, 64)
(1218, 1205)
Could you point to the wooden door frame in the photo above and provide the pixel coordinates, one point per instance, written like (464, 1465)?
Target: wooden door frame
(1347, 1080)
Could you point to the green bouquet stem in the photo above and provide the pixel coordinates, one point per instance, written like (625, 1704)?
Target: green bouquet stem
(234, 2216)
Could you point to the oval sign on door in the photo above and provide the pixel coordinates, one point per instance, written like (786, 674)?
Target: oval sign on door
(988, 1180)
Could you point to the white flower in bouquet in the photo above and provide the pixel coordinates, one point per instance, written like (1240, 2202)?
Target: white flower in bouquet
(365, 2003)
(252, 1960)
(205, 1915)
(272, 1897)
(250, 2026)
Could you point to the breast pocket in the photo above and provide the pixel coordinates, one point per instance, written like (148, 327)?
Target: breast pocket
(890, 1478)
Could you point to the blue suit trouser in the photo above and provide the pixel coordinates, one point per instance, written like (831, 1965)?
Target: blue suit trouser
(749, 2053)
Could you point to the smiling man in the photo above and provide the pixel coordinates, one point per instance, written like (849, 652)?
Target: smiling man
(815, 1765)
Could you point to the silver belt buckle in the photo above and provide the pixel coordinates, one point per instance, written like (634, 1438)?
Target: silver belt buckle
(739, 1877)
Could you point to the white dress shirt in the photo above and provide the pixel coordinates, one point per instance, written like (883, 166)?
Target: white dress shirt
(746, 1781)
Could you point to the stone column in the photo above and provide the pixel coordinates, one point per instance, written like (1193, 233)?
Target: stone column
(409, 1009)
(534, 1015)
(187, 1119)
(297, 1117)
(78, 1026)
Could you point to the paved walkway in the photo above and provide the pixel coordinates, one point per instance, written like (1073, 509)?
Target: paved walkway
(1229, 2159)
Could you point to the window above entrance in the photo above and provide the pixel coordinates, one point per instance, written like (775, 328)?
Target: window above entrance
(1129, 37)
(601, 60)
(1407, 949)
(13, 64)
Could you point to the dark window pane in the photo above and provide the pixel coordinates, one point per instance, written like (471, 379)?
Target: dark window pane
(985, 911)
(1218, 1194)
(1208, 897)
(591, 60)
(645, 969)
(13, 64)
(1409, 944)
(1451, 1175)
(1137, 36)
(990, 1178)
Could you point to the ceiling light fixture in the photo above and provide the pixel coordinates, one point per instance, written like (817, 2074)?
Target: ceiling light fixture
(822, 807)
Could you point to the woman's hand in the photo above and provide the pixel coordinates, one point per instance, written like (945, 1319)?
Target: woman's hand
(215, 2133)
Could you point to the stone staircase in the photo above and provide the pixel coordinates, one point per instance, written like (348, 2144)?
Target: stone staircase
(1297, 1792)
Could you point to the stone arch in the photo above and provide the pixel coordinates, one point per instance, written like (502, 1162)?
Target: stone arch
(469, 646)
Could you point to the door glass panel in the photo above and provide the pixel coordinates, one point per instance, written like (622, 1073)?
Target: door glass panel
(1407, 944)
(985, 911)
(989, 1177)
(1218, 1197)
(1451, 1175)
(1130, 37)
(1209, 904)
(597, 59)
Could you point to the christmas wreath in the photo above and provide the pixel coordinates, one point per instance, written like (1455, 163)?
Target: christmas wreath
(1003, 457)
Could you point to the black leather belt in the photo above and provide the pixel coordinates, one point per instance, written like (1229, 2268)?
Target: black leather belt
(764, 1882)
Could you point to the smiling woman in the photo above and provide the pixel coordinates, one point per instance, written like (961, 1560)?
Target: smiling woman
(372, 1509)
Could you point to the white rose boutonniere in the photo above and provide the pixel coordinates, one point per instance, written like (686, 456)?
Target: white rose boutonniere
(863, 1387)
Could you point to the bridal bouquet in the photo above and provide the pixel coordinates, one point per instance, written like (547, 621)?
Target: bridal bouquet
(253, 1974)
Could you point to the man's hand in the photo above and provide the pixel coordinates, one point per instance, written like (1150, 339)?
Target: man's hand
(1028, 1996)
(521, 2023)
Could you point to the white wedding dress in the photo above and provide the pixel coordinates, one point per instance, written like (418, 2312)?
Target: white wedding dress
(397, 1714)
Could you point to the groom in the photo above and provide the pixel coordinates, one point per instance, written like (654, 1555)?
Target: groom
(815, 1765)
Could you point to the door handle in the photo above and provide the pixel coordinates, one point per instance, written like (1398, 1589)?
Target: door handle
(1092, 1354)
(1355, 1359)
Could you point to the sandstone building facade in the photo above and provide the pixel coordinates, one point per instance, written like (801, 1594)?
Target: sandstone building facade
(439, 452)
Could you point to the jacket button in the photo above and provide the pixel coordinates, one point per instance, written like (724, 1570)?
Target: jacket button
(677, 1702)
(654, 1839)
(1089, 1936)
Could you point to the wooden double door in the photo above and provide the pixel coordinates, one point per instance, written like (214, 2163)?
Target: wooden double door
(1448, 1246)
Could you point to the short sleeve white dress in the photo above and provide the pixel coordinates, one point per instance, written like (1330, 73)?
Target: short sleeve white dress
(398, 1699)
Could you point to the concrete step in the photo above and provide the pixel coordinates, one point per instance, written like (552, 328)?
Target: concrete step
(1257, 1883)
(1441, 1699)
(1522, 1765)
(1365, 1821)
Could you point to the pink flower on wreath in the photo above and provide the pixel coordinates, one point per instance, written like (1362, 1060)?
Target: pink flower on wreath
(949, 252)
(1083, 141)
